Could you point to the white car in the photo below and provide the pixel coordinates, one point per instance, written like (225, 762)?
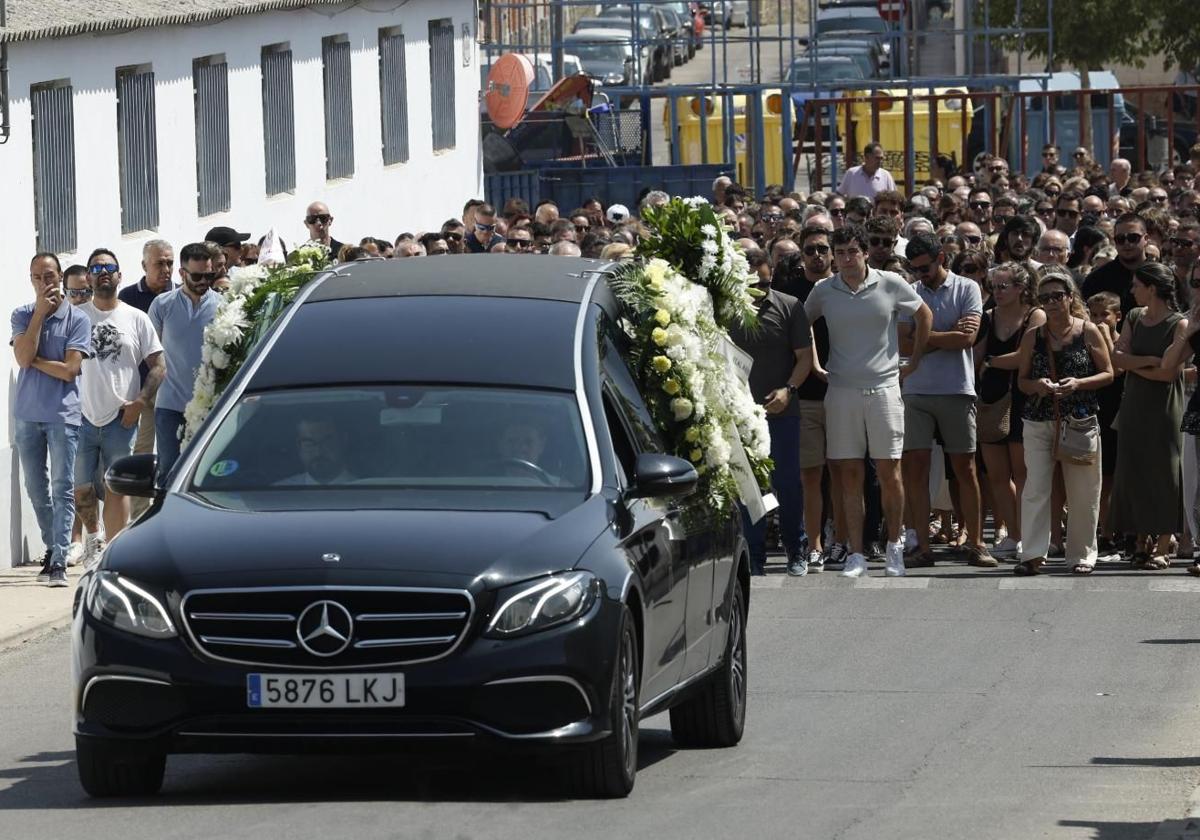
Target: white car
(730, 13)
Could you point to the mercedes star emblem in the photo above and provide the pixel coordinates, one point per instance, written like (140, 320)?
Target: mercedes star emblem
(331, 557)
(324, 628)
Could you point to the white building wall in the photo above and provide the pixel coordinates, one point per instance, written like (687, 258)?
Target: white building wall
(378, 201)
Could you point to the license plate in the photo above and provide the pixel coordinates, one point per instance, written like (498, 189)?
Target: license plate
(327, 691)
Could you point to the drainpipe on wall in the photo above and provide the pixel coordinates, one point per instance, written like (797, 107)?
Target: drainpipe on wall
(4, 110)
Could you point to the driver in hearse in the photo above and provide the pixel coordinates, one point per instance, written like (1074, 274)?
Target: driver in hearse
(524, 442)
(321, 447)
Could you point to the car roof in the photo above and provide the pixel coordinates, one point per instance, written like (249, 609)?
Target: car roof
(599, 35)
(831, 58)
(472, 275)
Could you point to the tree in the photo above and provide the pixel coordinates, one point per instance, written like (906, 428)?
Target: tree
(1176, 33)
(1088, 35)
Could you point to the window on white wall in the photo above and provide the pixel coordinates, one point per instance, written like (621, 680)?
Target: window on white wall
(279, 119)
(393, 95)
(210, 87)
(137, 145)
(53, 115)
(441, 78)
(339, 108)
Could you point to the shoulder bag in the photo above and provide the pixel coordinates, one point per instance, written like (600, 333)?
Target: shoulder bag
(1076, 439)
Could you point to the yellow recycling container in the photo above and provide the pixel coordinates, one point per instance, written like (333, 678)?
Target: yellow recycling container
(950, 116)
(688, 111)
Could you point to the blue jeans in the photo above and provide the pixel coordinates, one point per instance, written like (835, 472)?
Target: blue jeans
(51, 488)
(167, 425)
(99, 446)
(789, 491)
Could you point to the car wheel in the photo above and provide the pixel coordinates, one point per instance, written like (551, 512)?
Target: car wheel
(115, 768)
(716, 717)
(608, 768)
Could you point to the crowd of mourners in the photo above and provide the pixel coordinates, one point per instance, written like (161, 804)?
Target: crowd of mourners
(988, 350)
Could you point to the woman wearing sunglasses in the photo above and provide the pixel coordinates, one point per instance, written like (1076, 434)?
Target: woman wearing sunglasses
(1060, 367)
(1182, 351)
(1148, 485)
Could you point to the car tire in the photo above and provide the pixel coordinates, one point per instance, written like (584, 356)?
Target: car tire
(716, 716)
(607, 769)
(115, 768)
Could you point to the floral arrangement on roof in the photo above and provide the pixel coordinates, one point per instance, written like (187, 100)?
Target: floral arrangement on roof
(691, 285)
(254, 300)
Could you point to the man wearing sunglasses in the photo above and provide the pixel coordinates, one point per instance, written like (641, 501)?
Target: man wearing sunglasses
(1050, 156)
(50, 340)
(882, 233)
(1067, 210)
(113, 394)
(483, 236)
(1185, 248)
(454, 232)
(179, 317)
(939, 397)
(1129, 235)
(319, 220)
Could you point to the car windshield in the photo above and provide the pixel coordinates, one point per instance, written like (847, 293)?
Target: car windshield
(866, 23)
(462, 440)
(610, 52)
(827, 71)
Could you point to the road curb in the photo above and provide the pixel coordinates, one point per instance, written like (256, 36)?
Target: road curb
(11, 640)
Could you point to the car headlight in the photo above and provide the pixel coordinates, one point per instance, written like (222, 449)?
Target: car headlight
(613, 79)
(547, 602)
(121, 603)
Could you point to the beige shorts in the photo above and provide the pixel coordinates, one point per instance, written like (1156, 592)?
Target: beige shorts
(864, 422)
(812, 433)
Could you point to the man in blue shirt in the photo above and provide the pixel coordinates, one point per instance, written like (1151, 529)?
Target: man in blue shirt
(180, 316)
(50, 339)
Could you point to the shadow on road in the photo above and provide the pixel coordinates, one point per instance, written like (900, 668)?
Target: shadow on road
(1170, 641)
(1122, 830)
(48, 780)
(1173, 761)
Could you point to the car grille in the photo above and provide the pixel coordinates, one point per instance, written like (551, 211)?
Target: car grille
(327, 627)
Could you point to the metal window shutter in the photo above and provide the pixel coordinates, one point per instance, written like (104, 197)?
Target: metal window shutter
(53, 117)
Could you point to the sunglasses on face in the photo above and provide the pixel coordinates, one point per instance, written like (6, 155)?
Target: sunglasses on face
(518, 243)
(79, 293)
(837, 211)
(482, 226)
(996, 168)
(813, 250)
(1045, 211)
(980, 205)
(319, 219)
(1049, 154)
(880, 242)
(1069, 214)
(974, 240)
(581, 228)
(1182, 242)
(771, 217)
(1127, 238)
(202, 276)
(1053, 193)
(456, 237)
(1004, 287)
(101, 268)
(1079, 154)
(1052, 297)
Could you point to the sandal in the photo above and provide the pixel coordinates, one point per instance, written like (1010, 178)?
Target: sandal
(1151, 564)
(1194, 569)
(1083, 568)
(920, 560)
(1028, 568)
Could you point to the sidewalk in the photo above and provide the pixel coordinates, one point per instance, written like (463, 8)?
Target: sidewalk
(29, 609)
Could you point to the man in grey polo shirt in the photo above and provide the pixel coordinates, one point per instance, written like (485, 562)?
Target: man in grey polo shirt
(864, 413)
(940, 397)
(180, 316)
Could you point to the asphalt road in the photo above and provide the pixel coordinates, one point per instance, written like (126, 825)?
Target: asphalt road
(949, 705)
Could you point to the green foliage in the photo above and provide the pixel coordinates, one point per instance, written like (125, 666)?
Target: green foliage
(1088, 34)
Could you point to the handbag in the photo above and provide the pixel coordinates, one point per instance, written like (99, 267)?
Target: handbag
(1076, 439)
(993, 421)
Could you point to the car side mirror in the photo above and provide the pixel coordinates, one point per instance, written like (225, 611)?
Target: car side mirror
(133, 475)
(657, 476)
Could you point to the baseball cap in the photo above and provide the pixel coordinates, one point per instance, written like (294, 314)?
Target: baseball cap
(617, 213)
(225, 236)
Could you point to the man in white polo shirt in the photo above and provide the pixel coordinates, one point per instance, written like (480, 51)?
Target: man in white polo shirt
(864, 413)
(870, 178)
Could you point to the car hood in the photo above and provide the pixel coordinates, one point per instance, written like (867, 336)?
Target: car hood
(186, 544)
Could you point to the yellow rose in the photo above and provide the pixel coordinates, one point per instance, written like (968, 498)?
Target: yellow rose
(659, 336)
(697, 455)
(692, 435)
(661, 364)
(663, 317)
(671, 386)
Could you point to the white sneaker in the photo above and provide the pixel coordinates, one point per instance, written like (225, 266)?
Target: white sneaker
(75, 553)
(95, 549)
(895, 560)
(1007, 547)
(911, 543)
(856, 566)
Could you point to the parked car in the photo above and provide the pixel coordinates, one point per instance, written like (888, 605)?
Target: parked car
(730, 13)
(432, 505)
(880, 58)
(853, 22)
(860, 53)
(607, 55)
(653, 19)
(644, 35)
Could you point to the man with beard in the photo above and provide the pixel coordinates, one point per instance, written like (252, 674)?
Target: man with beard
(179, 317)
(113, 395)
(1117, 276)
(1018, 235)
(453, 232)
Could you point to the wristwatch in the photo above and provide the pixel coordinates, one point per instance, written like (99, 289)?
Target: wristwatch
(794, 390)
